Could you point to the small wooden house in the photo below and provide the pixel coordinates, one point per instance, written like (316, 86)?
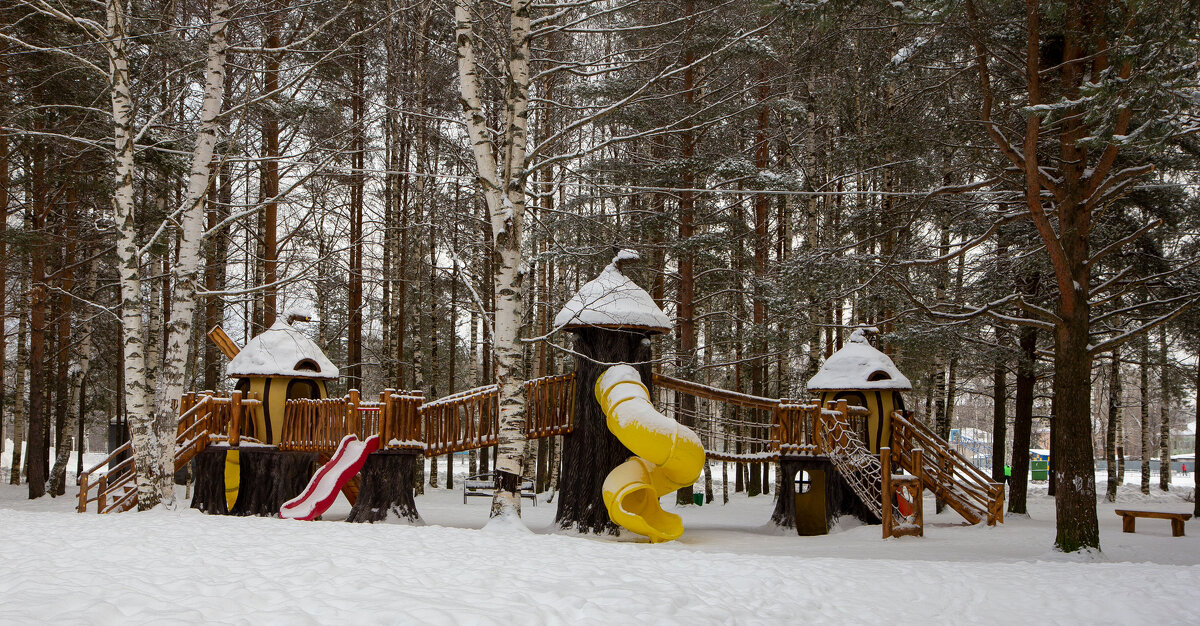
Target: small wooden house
(278, 365)
(866, 377)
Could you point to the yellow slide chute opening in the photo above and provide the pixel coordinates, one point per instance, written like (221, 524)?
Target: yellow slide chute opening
(669, 456)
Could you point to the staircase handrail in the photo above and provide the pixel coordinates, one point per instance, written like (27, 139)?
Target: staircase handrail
(983, 496)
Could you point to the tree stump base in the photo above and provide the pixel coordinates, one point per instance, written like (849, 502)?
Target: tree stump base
(840, 498)
(269, 477)
(387, 488)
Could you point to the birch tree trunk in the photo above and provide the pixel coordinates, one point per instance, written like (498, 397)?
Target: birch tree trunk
(506, 207)
(137, 393)
(187, 270)
(19, 420)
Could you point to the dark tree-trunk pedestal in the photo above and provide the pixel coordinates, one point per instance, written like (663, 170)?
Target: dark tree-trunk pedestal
(387, 486)
(840, 498)
(590, 452)
(269, 477)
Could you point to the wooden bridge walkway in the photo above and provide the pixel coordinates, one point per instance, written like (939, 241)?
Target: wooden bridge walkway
(733, 427)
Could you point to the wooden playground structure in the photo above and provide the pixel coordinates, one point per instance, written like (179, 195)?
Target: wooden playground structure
(851, 450)
(734, 427)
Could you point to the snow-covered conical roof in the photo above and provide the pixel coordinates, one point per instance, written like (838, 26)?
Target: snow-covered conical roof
(612, 300)
(858, 365)
(282, 351)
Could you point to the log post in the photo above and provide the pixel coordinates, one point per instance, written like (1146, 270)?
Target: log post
(387, 418)
(100, 496)
(918, 458)
(83, 491)
(235, 419)
(352, 416)
(885, 474)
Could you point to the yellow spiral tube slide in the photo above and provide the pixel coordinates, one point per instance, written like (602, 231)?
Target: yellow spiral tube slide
(669, 456)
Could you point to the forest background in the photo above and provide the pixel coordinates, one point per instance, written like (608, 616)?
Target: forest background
(1006, 190)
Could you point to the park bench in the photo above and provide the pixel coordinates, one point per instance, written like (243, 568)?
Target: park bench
(485, 485)
(1177, 519)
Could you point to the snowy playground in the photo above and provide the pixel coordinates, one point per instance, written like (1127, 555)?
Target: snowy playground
(730, 567)
(610, 547)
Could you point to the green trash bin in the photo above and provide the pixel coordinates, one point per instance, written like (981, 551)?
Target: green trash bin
(698, 499)
(1041, 470)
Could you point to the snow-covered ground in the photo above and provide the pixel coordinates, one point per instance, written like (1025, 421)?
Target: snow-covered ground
(729, 567)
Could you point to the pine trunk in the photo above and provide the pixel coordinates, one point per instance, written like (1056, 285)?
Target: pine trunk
(1144, 397)
(1075, 470)
(270, 165)
(37, 452)
(1164, 412)
(999, 418)
(187, 273)
(62, 429)
(3, 262)
(1023, 421)
(1114, 418)
(1195, 469)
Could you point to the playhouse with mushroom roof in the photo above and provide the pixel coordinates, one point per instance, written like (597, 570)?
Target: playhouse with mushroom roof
(863, 376)
(278, 365)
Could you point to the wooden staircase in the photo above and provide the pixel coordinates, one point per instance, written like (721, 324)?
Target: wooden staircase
(916, 450)
(205, 418)
(945, 472)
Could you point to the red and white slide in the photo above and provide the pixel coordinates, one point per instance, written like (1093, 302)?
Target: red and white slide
(322, 490)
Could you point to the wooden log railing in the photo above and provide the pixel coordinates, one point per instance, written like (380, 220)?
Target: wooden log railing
(550, 406)
(316, 425)
(401, 425)
(320, 425)
(948, 474)
(393, 417)
(204, 418)
(462, 421)
(796, 429)
(111, 487)
(732, 426)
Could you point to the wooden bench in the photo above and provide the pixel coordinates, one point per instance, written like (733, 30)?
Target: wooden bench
(485, 485)
(1177, 519)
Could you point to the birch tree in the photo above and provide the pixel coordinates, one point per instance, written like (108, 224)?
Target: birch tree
(505, 158)
(188, 267)
(503, 190)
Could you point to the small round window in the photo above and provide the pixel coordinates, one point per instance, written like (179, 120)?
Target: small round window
(803, 482)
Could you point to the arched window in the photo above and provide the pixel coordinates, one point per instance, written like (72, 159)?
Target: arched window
(879, 375)
(308, 365)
